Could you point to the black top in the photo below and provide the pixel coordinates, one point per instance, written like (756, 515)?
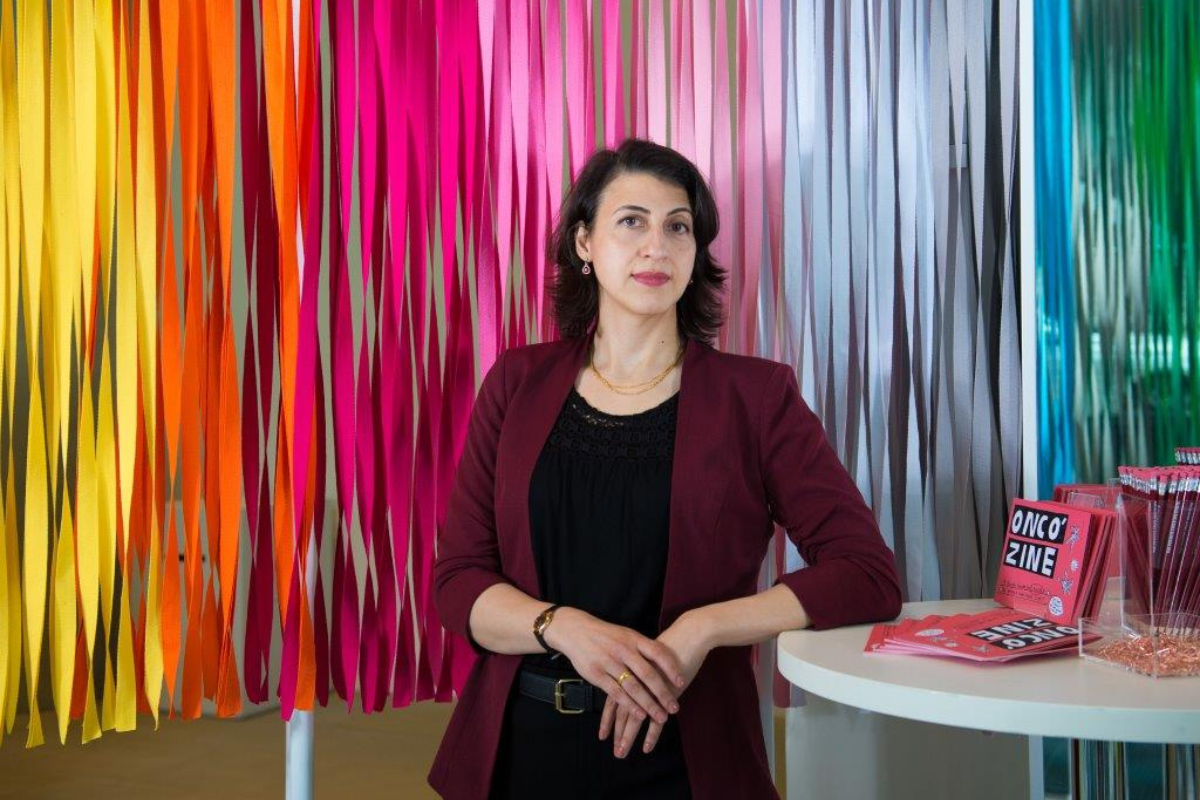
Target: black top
(599, 514)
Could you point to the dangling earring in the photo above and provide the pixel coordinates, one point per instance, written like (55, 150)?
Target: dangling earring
(587, 268)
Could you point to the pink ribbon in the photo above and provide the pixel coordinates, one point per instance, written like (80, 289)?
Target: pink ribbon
(614, 102)
(750, 168)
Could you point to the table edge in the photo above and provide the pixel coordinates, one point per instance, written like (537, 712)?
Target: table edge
(1024, 717)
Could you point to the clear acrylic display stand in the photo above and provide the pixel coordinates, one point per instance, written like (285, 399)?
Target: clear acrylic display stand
(1140, 628)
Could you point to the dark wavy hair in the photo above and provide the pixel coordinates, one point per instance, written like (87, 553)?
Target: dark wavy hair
(576, 297)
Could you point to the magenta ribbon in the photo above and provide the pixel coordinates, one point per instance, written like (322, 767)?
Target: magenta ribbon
(256, 657)
(579, 83)
(500, 161)
(395, 390)
(345, 632)
(614, 103)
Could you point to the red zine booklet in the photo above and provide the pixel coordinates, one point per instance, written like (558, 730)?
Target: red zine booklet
(1053, 558)
(1056, 560)
(998, 634)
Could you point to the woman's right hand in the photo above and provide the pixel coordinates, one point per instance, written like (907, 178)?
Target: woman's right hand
(601, 651)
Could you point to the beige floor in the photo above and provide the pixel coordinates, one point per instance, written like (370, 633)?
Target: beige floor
(355, 756)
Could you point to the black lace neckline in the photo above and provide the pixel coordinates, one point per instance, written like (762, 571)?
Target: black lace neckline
(631, 418)
(648, 434)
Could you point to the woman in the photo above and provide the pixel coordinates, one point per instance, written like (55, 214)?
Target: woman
(613, 505)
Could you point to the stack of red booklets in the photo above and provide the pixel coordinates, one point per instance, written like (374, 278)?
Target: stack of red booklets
(1056, 560)
(999, 634)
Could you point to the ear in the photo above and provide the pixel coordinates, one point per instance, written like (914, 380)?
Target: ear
(582, 248)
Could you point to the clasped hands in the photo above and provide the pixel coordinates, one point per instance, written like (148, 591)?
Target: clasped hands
(653, 673)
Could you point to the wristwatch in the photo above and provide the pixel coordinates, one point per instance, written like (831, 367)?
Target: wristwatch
(541, 623)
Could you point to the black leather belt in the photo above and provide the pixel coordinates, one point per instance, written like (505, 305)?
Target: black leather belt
(567, 695)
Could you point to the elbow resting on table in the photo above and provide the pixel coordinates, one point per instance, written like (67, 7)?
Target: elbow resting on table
(892, 602)
(847, 591)
(881, 582)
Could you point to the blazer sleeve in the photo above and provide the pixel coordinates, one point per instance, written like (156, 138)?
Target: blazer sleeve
(468, 554)
(851, 574)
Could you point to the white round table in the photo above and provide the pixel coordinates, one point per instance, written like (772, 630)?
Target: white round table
(1059, 695)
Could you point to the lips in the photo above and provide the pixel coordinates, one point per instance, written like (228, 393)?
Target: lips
(652, 278)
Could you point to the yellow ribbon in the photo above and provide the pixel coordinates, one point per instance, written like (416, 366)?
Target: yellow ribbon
(86, 113)
(11, 598)
(7, 360)
(31, 90)
(106, 145)
(106, 167)
(62, 643)
(33, 580)
(7, 263)
(147, 319)
(88, 545)
(6, 618)
(62, 234)
(126, 322)
(60, 317)
(106, 519)
(11, 189)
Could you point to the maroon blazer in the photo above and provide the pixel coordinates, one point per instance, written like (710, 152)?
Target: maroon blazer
(748, 452)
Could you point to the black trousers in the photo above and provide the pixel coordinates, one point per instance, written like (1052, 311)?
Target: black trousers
(545, 754)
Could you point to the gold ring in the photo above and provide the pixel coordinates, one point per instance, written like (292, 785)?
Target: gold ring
(623, 676)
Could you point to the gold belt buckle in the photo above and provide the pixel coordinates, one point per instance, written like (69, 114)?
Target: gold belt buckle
(560, 696)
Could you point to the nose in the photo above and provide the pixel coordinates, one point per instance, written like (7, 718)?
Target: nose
(654, 246)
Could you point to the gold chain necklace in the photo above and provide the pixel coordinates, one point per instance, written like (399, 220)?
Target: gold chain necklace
(650, 384)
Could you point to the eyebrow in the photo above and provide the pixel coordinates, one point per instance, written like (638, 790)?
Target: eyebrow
(684, 209)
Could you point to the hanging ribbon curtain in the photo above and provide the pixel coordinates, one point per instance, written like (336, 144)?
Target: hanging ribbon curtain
(1118, 186)
(257, 254)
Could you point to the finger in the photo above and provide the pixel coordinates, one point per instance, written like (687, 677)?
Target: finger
(655, 682)
(652, 734)
(606, 717)
(633, 687)
(622, 720)
(632, 726)
(644, 699)
(665, 659)
(610, 687)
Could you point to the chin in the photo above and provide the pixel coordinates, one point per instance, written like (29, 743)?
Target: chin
(645, 304)
(651, 309)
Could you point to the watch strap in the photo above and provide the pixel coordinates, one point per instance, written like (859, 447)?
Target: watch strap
(541, 623)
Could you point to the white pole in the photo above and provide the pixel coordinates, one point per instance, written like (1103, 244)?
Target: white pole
(1029, 400)
(299, 756)
(298, 766)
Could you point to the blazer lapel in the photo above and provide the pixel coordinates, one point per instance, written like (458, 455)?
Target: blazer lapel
(535, 409)
(697, 485)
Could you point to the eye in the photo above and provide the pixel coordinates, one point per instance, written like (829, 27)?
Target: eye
(681, 227)
(630, 218)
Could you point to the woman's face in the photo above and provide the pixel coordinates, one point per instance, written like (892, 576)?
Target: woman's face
(641, 244)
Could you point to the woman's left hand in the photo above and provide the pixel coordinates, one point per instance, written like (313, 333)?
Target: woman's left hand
(687, 639)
